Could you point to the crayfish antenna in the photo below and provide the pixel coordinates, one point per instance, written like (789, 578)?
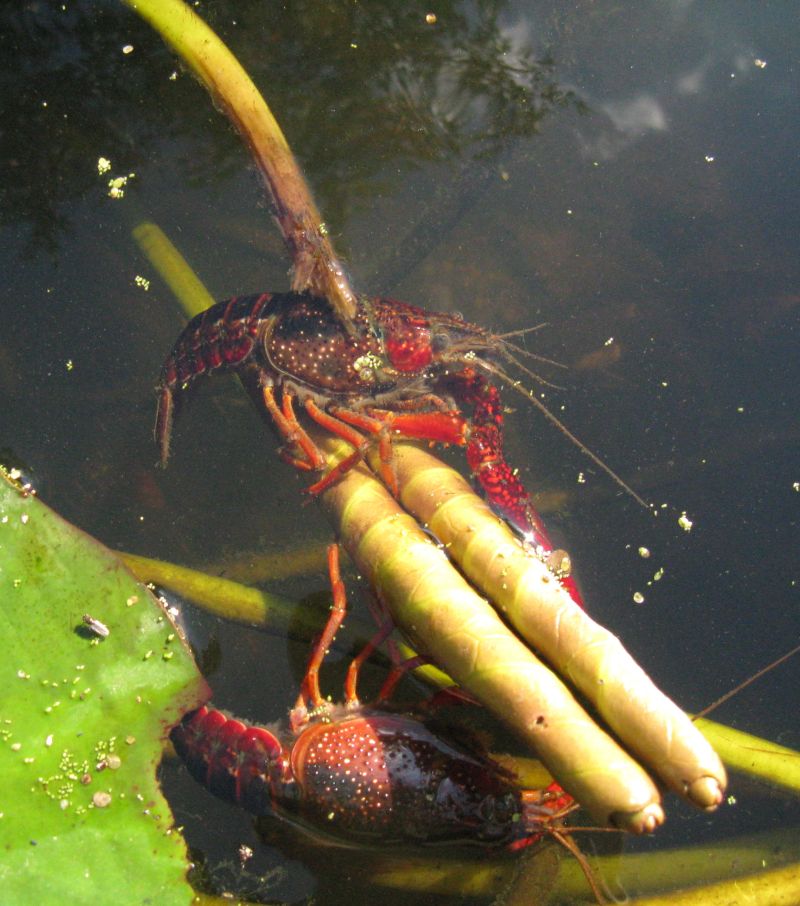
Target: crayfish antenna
(531, 374)
(743, 685)
(543, 812)
(521, 350)
(562, 837)
(521, 331)
(531, 396)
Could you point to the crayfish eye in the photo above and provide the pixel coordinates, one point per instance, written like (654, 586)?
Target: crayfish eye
(506, 808)
(440, 342)
(408, 347)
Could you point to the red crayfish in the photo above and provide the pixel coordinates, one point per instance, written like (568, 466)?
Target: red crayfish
(368, 775)
(400, 371)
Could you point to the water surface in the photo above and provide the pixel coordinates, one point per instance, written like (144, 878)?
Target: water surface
(623, 172)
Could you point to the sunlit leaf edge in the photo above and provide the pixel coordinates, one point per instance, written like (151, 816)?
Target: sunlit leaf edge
(83, 719)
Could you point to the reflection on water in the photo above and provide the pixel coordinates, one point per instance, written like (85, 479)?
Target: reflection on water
(360, 93)
(616, 170)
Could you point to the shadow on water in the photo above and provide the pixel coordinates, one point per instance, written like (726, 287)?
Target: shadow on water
(621, 172)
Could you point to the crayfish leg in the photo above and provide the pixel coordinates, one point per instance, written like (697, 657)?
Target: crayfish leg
(441, 426)
(310, 686)
(543, 812)
(343, 423)
(446, 426)
(351, 680)
(292, 432)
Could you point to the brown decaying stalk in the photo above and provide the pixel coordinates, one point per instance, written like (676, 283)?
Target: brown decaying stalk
(315, 265)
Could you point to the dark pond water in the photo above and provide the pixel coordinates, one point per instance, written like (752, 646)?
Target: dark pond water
(615, 170)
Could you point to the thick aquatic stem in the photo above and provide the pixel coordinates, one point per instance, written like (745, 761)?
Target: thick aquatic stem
(446, 618)
(232, 600)
(731, 863)
(214, 594)
(315, 265)
(778, 887)
(758, 758)
(173, 268)
(586, 655)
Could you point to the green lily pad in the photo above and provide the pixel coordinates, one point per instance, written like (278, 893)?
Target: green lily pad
(83, 719)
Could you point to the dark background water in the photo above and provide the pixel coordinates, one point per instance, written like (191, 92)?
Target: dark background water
(624, 170)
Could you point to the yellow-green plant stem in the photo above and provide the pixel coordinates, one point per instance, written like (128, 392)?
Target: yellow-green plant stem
(732, 861)
(231, 600)
(753, 756)
(214, 594)
(530, 773)
(780, 887)
(251, 567)
(315, 266)
(173, 268)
